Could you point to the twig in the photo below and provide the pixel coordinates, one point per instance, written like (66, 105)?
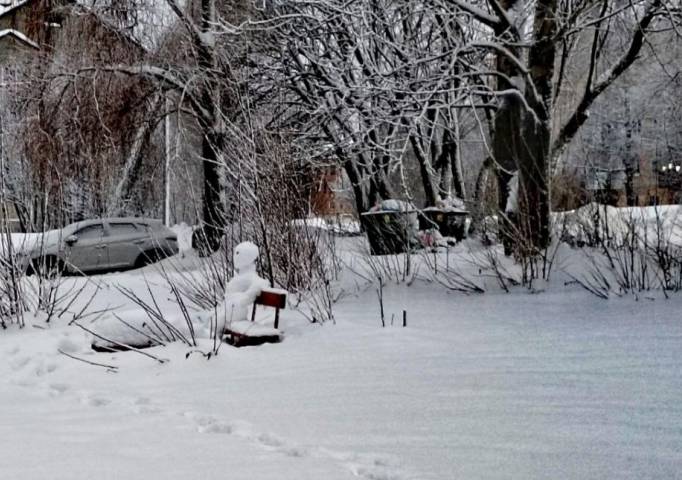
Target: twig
(111, 368)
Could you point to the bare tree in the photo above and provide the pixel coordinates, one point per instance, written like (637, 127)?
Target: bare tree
(380, 77)
(379, 84)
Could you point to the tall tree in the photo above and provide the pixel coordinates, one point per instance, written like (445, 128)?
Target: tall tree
(380, 82)
(533, 60)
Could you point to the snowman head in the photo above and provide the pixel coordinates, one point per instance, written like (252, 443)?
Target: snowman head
(244, 257)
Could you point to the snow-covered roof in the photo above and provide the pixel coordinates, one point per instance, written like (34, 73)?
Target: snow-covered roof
(156, 19)
(7, 6)
(17, 36)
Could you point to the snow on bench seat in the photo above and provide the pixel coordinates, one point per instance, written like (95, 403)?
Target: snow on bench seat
(245, 333)
(252, 329)
(242, 333)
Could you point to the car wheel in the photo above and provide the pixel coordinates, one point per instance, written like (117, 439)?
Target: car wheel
(148, 257)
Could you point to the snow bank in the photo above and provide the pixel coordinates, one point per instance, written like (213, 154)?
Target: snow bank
(24, 242)
(593, 222)
(335, 225)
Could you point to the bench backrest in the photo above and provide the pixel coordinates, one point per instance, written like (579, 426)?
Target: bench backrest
(271, 298)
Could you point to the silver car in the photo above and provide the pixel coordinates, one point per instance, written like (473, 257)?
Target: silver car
(98, 245)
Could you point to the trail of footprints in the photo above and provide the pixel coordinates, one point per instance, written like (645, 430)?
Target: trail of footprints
(370, 467)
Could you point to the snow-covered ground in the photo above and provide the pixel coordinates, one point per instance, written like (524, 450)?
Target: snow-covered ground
(558, 384)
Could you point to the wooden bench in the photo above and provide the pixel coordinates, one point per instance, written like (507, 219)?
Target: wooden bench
(241, 334)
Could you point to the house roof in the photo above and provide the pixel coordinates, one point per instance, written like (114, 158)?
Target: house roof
(9, 34)
(8, 6)
(147, 35)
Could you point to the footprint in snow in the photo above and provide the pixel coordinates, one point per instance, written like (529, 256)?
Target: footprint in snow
(296, 452)
(57, 389)
(142, 405)
(44, 368)
(23, 382)
(375, 473)
(95, 401)
(210, 424)
(146, 409)
(19, 363)
(367, 466)
(216, 427)
(270, 440)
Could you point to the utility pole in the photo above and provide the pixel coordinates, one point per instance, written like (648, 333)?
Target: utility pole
(167, 166)
(4, 213)
(4, 217)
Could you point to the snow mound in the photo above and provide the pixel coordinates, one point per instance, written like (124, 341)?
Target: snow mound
(594, 223)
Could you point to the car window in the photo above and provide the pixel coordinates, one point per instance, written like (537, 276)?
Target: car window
(90, 232)
(122, 229)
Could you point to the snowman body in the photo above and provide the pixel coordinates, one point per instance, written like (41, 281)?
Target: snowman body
(243, 289)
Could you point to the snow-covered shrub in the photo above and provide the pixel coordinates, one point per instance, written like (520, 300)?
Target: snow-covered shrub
(629, 250)
(12, 295)
(383, 269)
(450, 271)
(47, 295)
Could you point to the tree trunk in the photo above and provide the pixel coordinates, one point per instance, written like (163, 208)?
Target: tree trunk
(425, 171)
(456, 162)
(213, 210)
(506, 156)
(478, 210)
(534, 187)
(630, 195)
(534, 182)
(507, 133)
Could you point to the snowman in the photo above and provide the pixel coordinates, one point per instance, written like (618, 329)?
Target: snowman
(243, 289)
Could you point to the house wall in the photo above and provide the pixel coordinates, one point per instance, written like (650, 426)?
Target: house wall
(331, 196)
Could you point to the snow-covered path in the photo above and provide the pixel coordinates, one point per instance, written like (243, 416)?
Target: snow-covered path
(58, 430)
(57, 438)
(555, 385)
